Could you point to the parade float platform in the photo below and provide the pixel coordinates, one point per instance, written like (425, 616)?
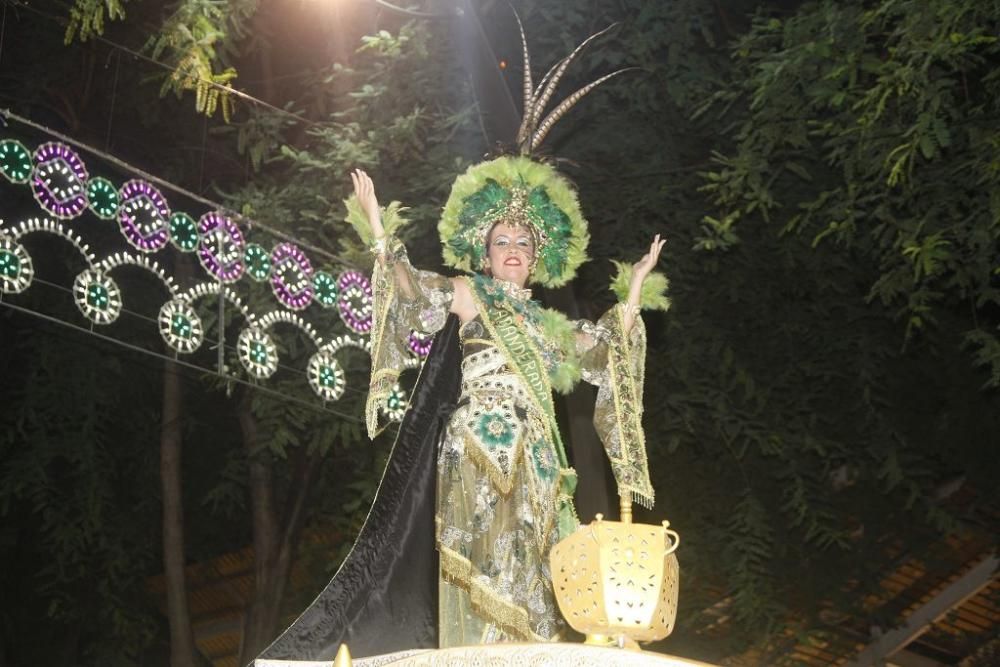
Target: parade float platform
(500, 655)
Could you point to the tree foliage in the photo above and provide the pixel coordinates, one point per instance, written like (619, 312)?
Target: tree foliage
(196, 40)
(873, 127)
(86, 17)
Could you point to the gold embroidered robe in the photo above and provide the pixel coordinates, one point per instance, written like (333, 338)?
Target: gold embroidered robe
(499, 469)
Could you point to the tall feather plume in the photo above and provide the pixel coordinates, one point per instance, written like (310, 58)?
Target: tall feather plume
(525, 130)
(541, 98)
(564, 106)
(532, 113)
(528, 136)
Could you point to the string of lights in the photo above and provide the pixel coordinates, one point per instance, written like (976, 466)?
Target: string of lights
(283, 396)
(63, 188)
(152, 320)
(212, 205)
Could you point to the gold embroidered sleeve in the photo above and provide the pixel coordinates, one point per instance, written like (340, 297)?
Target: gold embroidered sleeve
(615, 362)
(404, 299)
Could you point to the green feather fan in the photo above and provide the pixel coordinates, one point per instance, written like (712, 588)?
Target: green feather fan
(654, 289)
(392, 219)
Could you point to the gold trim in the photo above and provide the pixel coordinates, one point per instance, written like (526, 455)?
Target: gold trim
(487, 603)
(478, 341)
(631, 437)
(383, 294)
(482, 461)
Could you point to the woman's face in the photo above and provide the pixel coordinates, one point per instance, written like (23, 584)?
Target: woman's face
(511, 253)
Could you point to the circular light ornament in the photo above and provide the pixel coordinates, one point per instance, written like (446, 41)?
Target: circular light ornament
(326, 377)
(395, 404)
(58, 180)
(180, 327)
(183, 232)
(97, 296)
(103, 198)
(257, 353)
(16, 269)
(291, 280)
(325, 289)
(221, 248)
(355, 301)
(144, 216)
(15, 161)
(419, 344)
(258, 262)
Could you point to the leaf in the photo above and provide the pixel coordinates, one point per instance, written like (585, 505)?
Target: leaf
(927, 146)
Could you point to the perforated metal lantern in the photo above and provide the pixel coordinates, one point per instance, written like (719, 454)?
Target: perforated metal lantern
(618, 579)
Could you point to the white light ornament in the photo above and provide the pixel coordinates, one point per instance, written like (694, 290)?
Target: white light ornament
(97, 296)
(326, 377)
(395, 404)
(342, 341)
(257, 353)
(180, 326)
(16, 269)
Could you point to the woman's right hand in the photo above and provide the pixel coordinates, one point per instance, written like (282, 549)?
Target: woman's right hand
(364, 188)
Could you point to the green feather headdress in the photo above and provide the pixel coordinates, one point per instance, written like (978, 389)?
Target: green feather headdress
(521, 192)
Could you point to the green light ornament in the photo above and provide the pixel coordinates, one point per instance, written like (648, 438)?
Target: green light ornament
(258, 262)
(103, 198)
(325, 289)
(183, 232)
(15, 161)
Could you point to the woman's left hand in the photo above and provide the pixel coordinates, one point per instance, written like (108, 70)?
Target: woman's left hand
(648, 261)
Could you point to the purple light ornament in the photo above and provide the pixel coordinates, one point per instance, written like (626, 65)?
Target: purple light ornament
(355, 301)
(291, 276)
(58, 180)
(419, 344)
(220, 250)
(144, 216)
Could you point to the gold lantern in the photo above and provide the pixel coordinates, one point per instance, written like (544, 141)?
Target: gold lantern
(617, 581)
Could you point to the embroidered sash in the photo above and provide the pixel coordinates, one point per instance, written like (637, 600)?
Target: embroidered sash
(508, 332)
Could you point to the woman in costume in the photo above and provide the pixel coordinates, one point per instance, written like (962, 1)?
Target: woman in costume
(504, 487)
(480, 428)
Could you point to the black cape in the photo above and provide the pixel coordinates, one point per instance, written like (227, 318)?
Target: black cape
(383, 597)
